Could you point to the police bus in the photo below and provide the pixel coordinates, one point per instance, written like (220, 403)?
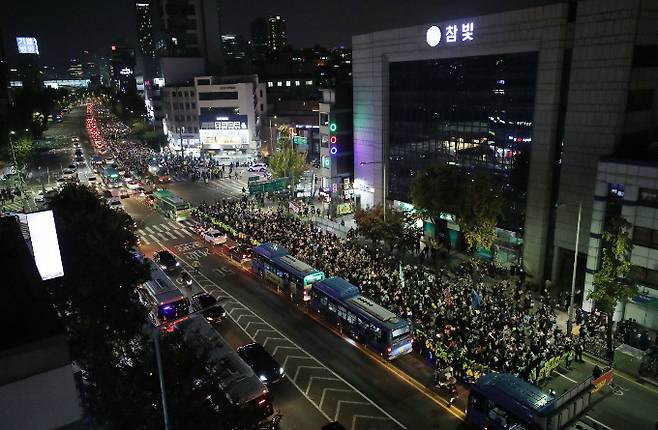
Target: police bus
(166, 303)
(242, 388)
(357, 316)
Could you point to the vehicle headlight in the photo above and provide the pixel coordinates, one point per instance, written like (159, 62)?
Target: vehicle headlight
(177, 263)
(280, 370)
(163, 267)
(263, 378)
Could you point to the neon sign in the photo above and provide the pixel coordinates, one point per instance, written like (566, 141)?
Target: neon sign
(453, 33)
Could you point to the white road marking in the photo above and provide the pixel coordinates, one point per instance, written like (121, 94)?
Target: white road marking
(155, 227)
(168, 233)
(351, 402)
(149, 230)
(154, 239)
(598, 422)
(324, 392)
(566, 377)
(304, 367)
(178, 233)
(297, 357)
(145, 240)
(263, 329)
(318, 378)
(270, 338)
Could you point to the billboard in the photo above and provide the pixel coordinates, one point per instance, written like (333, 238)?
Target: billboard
(224, 132)
(45, 244)
(27, 45)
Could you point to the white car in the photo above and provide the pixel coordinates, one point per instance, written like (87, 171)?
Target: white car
(69, 174)
(214, 237)
(132, 184)
(257, 167)
(115, 203)
(109, 160)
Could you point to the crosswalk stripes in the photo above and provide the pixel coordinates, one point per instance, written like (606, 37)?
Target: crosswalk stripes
(166, 231)
(229, 187)
(16, 206)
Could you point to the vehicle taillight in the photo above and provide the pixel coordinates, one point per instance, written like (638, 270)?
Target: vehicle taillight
(389, 349)
(261, 402)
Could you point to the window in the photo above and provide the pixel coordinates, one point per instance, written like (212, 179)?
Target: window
(642, 236)
(342, 312)
(180, 94)
(193, 105)
(331, 306)
(185, 93)
(648, 197)
(261, 93)
(203, 81)
(351, 318)
(297, 83)
(645, 237)
(219, 95)
(187, 105)
(645, 56)
(192, 93)
(644, 276)
(639, 100)
(173, 94)
(261, 108)
(324, 118)
(309, 82)
(270, 84)
(279, 84)
(287, 83)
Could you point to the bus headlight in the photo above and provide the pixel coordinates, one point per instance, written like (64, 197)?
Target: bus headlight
(177, 264)
(263, 378)
(280, 370)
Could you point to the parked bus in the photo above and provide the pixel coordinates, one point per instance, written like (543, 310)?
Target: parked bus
(171, 206)
(274, 263)
(501, 401)
(166, 303)
(341, 303)
(111, 177)
(242, 388)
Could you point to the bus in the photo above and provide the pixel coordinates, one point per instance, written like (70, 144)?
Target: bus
(502, 401)
(242, 387)
(274, 263)
(171, 206)
(166, 303)
(342, 304)
(111, 177)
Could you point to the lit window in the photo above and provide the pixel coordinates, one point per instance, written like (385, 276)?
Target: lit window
(309, 82)
(279, 84)
(297, 83)
(287, 83)
(270, 84)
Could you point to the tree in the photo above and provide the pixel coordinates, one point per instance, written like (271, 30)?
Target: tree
(397, 231)
(478, 212)
(155, 140)
(612, 283)
(433, 192)
(286, 162)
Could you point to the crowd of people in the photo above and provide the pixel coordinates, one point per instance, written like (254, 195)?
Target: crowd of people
(460, 321)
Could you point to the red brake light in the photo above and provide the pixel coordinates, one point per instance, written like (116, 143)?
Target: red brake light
(389, 349)
(261, 401)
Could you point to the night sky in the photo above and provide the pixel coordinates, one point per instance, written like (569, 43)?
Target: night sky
(65, 28)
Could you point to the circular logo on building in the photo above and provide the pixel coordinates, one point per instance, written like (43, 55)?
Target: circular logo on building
(433, 36)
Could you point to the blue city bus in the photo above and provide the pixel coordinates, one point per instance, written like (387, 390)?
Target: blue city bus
(501, 401)
(111, 177)
(341, 303)
(283, 271)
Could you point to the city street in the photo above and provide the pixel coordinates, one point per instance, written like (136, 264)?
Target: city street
(328, 376)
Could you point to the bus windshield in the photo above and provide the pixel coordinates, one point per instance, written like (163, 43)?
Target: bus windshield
(172, 311)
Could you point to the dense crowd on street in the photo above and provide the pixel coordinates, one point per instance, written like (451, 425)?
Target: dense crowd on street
(460, 321)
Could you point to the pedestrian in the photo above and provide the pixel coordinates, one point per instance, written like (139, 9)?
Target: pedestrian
(452, 389)
(195, 265)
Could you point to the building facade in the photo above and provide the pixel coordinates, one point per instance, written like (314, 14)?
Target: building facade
(277, 37)
(628, 188)
(532, 97)
(214, 113)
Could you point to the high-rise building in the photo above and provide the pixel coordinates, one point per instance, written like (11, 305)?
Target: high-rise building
(258, 40)
(122, 67)
(75, 70)
(535, 109)
(188, 28)
(4, 93)
(146, 51)
(28, 62)
(276, 33)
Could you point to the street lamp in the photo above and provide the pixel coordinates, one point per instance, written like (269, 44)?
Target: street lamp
(365, 163)
(575, 264)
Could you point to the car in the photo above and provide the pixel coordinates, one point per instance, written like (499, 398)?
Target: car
(264, 365)
(166, 260)
(78, 152)
(132, 184)
(115, 203)
(40, 197)
(239, 253)
(208, 306)
(72, 167)
(214, 237)
(80, 160)
(75, 139)
(69, 174)
(121, 171)
(91, 179)
(257, 167)
(109, 160)
(102, 151)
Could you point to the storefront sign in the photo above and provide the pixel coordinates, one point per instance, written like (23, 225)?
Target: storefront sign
(452, 33)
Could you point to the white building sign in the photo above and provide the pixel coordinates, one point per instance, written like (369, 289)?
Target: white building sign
(452, 33)
(230, 125)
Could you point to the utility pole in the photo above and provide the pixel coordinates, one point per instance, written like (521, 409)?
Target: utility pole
(573, 275)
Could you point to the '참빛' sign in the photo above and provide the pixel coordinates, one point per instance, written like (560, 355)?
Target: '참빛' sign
(452, 33)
